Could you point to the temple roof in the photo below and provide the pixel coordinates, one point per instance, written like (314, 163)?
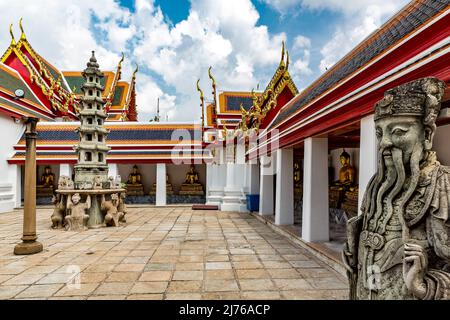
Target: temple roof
(403, 23)
(128, 140)
(56, 92)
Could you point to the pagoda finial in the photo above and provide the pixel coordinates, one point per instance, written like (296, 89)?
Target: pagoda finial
(93, 59)
(22, 36)
(13, 41)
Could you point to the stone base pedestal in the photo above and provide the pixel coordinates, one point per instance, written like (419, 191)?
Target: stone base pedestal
(169, 189)
(194, 189)
(135, 190)
(350, 204)
(28, 247)
(44, 191)
(231, 201)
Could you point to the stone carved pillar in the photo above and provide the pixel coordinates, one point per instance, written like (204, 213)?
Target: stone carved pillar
(29, 244)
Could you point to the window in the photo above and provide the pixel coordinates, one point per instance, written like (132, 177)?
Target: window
(98, 107)
(98, 93)
(88, 156)
(89, 120)
(89, 137)
(91, 79)
(90, 92)
(100, 138)
(99, 122)
(100, 157)
(89, 105)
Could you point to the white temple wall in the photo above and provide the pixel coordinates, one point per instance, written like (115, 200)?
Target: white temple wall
(11, 133)
(442, 145)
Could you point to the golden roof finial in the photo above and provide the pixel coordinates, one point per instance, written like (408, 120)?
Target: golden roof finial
(22, 36)
(200, 90)
(121, 60)
(211, 76)
(13, 41)
(287, 59)
(135, 71)
(282, 53)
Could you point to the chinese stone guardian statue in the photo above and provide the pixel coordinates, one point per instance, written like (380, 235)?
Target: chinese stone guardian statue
(399, 247)
(77, 220)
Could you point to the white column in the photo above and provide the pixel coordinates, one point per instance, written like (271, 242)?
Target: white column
(65, 170)
(315, 224)
(266, 186)
(113, 171)
(161, 184)
(284, 201)
(18, 187)
(367, 155)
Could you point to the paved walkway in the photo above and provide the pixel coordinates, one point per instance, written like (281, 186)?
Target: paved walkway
(164, 253)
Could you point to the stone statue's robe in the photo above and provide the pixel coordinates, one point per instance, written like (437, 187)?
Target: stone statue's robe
(376, 270)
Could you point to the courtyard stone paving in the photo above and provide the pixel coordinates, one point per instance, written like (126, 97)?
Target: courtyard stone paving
(164, 253)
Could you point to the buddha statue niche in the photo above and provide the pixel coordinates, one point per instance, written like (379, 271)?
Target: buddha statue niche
(191, 185)
(347, 171)
(298, 185)
(46, 183)
(344, 188)
(134, 184)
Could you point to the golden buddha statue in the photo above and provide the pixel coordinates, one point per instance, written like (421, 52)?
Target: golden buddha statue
(191, 185)
(344, 192)
(191, 175)
(134, 178)
(134, 184)
(346, 173)
(298, 185)
(46, 183)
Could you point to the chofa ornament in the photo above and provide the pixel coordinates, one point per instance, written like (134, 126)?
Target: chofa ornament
(399, 247)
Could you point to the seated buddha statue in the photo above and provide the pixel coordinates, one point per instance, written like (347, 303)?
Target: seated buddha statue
(191, 176)
(346, 173)
(298, 186)
(46, 183)
(345, 183)
(134, 184)
(191, 185)
(134, 178)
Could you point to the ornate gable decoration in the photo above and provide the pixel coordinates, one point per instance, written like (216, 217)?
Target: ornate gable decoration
(262, 104)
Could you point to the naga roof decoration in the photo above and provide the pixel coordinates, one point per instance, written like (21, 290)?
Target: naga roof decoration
(264, 105)
(56, 94)
(61, 101)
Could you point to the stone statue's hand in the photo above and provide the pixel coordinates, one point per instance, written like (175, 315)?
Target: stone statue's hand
(415, 264)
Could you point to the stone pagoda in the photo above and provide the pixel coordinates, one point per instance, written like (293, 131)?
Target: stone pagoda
(92, 148)
(93, 200)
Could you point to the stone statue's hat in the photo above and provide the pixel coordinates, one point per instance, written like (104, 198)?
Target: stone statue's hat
(421, 97)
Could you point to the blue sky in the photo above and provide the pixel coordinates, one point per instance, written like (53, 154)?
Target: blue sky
(175, 41)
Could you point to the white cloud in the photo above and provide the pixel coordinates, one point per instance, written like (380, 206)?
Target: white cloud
(301, 53)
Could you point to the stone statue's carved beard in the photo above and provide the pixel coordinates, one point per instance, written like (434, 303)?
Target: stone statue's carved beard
(392, 182)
